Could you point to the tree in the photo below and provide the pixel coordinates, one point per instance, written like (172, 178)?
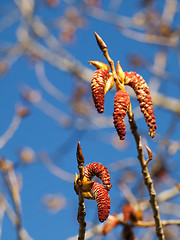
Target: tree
(45, 90)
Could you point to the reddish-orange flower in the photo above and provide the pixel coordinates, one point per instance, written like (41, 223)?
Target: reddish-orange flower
(141, 89)
(101, 196)
(100, 171)
(98, 84)
(121, 104)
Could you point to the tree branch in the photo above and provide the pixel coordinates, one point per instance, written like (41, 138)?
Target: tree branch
(81, 209)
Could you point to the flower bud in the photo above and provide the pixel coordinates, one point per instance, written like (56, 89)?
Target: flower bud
(98, 65)
(120, 72)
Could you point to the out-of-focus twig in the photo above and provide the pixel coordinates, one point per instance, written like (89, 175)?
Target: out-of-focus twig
(161, 197)
(152, 223)
(126, 24)
(125, 190)
(170, 208)
(45, 106)
(169, 11)
(63, 61)
(11, 181)
(10, 131)
(2, 213)
(58, 172)
(151, 38)
(46, 84)
(9, 19)
(81, 209)
(13, 217)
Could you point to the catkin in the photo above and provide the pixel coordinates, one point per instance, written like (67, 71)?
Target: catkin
(100, 171)
(98, 84)
(141, 89)
(121, 104)
(101, 196)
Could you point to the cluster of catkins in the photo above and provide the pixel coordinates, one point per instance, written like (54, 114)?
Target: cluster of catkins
(103, 81)
(94, 190)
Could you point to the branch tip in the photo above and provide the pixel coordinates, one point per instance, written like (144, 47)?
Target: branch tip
(100, 42)
(79, 155)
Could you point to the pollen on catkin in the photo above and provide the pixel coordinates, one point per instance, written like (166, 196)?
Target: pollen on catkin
(101, 196)
(121, 104)
(100, 171)
(98, 84)
(141, 89)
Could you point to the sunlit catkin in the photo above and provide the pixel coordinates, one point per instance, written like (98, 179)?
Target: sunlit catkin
(141, 89)
(121, 104)
(98, 84)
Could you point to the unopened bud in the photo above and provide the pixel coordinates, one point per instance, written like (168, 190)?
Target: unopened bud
(99, 65)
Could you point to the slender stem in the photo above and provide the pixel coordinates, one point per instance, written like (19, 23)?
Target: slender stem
(152, 223)
(147, 178)
(104, 49)
(81, 209)
(81, 217)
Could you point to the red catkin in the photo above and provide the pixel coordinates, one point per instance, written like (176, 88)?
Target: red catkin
(98, 84)
(100, 171)
(101, 196)
(141, 89)
(121, 104)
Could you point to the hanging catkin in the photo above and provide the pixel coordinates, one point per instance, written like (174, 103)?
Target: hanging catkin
(100, 171)
(98, 84)
(101, 196)
(121, 104)
(141, 89)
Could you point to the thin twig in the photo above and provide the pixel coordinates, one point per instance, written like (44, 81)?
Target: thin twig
(46, 84)
(13, 217)
(10, 131)
(57, 171)
(11, 181)
(152, 223)
(147, 178)
(81, 209)
(35, 98)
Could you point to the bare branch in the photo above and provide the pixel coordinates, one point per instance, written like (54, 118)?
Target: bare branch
(58, 172)
(81, 209)
(13, 127)
(147, 178)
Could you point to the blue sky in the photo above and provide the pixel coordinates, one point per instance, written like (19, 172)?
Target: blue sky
(43, 134)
